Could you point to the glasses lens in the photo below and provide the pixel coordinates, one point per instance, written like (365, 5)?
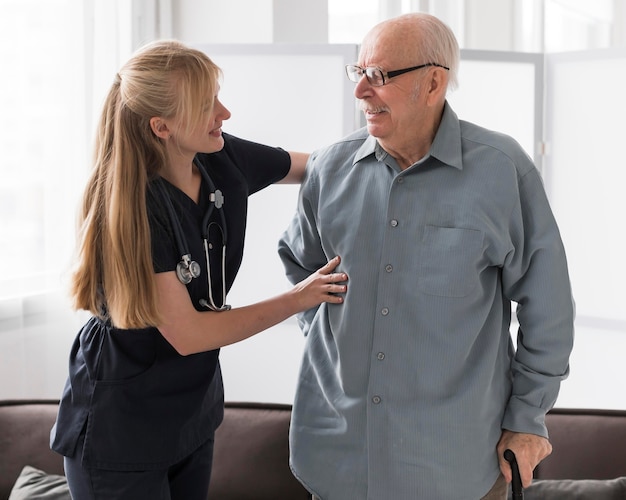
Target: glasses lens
(354, 73)
(375, 77)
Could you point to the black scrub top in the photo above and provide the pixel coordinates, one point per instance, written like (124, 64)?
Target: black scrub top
(139, 404)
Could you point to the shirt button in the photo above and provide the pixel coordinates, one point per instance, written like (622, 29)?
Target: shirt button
(394, 223)
(388, 268)
(400, 180)
(380, 356)
(376, 400)
(384, 311)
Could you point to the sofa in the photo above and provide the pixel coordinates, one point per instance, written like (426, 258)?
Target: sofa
(251, 452)
(250, 457)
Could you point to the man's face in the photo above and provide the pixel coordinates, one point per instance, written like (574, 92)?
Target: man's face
(393, 111)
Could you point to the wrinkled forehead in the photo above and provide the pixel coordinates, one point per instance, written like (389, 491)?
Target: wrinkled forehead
(388, 45)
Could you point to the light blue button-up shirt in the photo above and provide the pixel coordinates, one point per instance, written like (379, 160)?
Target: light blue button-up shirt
(405, 388)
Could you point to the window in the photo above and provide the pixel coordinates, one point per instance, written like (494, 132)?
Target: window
(512, 25)
(349, 20)
(42, 141)
(577, 25)
(59, 58)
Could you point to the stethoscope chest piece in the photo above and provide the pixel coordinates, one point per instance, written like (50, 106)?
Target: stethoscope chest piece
(187, 269)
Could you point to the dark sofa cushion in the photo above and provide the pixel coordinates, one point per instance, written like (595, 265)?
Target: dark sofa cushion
(251, 457)
(576, 489)
(35, 484)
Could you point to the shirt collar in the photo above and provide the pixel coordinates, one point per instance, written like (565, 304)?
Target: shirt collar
(446, 147)
(369, 146)
(447, 144)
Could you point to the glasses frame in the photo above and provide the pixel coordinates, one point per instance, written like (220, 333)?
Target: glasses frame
(386, 76)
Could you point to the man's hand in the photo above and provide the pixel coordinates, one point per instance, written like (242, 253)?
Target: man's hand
(529, 450)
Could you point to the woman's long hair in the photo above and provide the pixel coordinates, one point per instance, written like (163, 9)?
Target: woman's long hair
(114, 274)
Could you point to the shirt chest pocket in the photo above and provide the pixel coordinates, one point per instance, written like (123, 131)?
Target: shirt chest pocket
(449, 260)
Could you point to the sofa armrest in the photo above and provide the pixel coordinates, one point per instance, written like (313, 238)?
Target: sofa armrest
(25, 439)
(587, 444)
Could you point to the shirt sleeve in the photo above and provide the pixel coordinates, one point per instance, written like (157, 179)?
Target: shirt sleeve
(300, 248)
(535, 276)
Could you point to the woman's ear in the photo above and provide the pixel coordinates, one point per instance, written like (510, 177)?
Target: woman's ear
(159, 127)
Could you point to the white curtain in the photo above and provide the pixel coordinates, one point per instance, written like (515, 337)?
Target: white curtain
(58, 59)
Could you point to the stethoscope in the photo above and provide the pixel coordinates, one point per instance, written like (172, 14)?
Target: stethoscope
(188, 269)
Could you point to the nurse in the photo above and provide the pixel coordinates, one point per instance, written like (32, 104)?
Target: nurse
(162, 228)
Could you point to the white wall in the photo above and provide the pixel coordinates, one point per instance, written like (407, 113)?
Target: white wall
(585, 173)
(212, 21)
(255, 371)
(34, 346)
(250, 21)
(297, 112)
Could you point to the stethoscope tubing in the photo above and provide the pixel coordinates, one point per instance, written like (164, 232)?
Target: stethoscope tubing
(187, 268)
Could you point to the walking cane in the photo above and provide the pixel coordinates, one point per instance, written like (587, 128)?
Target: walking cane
(516, 483)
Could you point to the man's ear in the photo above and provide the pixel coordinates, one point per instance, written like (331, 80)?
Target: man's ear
(159, 127)
(437, 85)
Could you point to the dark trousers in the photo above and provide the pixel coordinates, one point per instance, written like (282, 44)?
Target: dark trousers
(185, 480)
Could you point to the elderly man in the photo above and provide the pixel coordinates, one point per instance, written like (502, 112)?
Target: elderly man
(413, 388)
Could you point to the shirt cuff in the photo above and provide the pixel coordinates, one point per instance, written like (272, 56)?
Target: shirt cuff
(520, 417)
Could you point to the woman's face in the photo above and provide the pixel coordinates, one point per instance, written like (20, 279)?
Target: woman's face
(206, 135)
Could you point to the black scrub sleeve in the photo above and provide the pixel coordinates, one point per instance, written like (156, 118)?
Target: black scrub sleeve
(165, 253)
(260, 165)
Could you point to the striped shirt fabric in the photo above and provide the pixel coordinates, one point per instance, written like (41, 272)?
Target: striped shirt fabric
(404, 389)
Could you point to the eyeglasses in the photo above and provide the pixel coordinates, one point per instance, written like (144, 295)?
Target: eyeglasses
(377, 77)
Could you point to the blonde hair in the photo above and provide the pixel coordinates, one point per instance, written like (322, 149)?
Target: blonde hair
(114, 275)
